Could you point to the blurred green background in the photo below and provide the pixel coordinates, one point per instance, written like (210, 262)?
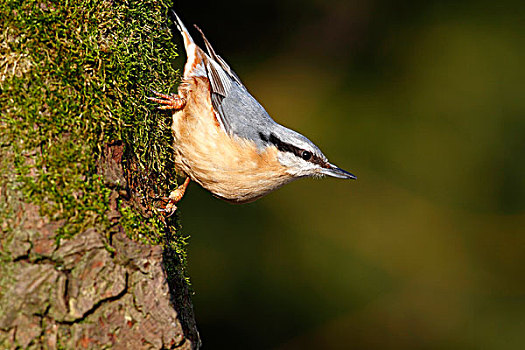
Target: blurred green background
(424, 102)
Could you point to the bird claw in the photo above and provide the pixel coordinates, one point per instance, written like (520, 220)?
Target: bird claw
(170, 209)
(174, 197)
(174, 102)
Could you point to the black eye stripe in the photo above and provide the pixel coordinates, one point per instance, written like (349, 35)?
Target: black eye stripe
(286, 147)
(283, 146)
(263, 137)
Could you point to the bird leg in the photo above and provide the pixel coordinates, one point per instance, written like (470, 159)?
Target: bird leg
(174, 102)
(176, 196)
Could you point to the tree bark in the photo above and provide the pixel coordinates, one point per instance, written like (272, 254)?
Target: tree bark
(95, 290)
(86, 259)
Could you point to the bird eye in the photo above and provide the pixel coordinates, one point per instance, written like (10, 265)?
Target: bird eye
(306, 155)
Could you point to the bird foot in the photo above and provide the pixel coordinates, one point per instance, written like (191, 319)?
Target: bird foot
(175, 197)
(174, 102)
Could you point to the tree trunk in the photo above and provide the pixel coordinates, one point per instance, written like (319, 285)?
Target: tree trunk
(86, 259)
(95, 290)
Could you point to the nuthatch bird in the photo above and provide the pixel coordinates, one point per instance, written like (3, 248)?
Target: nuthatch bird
(225, 140)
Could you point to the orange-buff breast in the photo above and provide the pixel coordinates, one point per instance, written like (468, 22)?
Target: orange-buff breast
(230, 167)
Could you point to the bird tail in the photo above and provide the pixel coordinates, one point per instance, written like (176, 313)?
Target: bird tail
(194, 63)
(188, 40)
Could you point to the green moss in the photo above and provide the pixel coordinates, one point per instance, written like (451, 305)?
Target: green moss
(148, 230)
(75, 76)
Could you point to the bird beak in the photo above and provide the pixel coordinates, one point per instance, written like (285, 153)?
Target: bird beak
(334, 171)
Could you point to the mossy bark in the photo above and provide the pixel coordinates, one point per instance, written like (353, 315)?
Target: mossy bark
(97, 289)
(86, 259)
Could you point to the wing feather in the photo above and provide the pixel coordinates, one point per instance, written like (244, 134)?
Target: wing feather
(221, 78)
(237, 111)
(218, 59)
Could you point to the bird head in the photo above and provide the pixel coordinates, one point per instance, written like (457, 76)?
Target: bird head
(301, 157)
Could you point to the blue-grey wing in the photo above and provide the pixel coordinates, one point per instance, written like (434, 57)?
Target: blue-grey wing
(239, 112)
(244, 116)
